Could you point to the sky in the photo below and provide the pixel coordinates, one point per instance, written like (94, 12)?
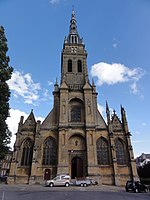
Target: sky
(117, 38)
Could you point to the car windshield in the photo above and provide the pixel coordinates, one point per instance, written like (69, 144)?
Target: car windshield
(57, 178)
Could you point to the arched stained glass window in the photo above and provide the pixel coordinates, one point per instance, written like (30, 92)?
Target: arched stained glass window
(102, 152)
(50, 152)
(69, 65)
(27, 153)
(76, 114)
(120, 152)
(79, 66)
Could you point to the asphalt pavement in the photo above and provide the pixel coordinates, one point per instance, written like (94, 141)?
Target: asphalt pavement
(40, 192)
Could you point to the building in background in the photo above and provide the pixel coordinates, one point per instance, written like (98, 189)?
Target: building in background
(143, 168)
(74, 138)
(5, 164)
(142, 160)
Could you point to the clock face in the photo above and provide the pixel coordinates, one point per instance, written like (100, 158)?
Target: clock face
(73, 49)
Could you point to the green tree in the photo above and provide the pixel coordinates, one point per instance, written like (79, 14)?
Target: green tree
(5, 75)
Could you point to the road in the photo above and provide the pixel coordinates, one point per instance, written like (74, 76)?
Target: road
(30, 192)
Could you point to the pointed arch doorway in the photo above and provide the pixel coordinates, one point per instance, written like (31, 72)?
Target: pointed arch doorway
(76, 167)
(47, 174)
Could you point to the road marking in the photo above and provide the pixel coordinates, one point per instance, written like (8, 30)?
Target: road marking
(3, 196)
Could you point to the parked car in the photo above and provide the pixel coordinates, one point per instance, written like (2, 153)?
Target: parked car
(135, 186)
(3, 179)
(61, 180)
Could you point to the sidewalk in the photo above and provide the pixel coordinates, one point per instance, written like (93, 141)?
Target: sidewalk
(23, 187)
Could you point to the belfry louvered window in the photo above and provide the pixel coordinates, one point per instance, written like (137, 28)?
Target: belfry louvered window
(120, 152)
(50, 152)
(69, 65)
(79, 66)
(102, 152)
(27, 153)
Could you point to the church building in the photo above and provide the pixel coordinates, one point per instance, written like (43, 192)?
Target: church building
(74, 138)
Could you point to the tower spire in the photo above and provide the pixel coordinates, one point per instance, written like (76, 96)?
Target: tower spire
(107, 113)
(124, 119)
(73, 37)
(73, 26)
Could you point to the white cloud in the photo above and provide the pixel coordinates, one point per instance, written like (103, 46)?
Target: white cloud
(13, 121)
(54, 1)
(144, 124)
(46, 95)
(140, 141)
(23, 85)
(50, 83)
(134, 88)
(101, 109)
(137, 133)
(116, 73)
(115, 43)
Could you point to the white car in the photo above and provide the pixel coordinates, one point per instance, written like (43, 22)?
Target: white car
(61, 180)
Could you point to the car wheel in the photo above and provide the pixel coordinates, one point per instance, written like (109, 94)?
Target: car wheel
(67, 184)
(85, 185)
(81, 184)
(51, 185)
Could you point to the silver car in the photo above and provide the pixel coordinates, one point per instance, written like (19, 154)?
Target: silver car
(61, 180)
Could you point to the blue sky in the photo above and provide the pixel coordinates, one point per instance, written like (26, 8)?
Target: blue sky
(117, 38)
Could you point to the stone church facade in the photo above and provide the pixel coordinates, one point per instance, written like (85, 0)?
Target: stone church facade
(74, 138)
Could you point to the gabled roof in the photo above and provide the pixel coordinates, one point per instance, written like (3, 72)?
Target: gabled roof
(30, 123)
(116, 122)
(49, 121)
(100, 121)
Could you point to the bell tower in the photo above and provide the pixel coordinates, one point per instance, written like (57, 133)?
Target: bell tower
(73, 61)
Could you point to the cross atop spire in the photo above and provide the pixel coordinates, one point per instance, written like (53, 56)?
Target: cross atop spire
(73, 12)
